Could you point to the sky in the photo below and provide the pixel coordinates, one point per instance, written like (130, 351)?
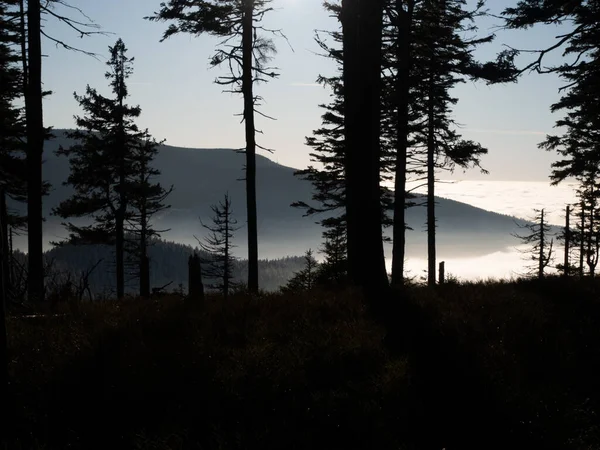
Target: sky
(174, 85)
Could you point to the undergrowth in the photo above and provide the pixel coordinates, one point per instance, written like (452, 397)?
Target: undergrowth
(479, 365)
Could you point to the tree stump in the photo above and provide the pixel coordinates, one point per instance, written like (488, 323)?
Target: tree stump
(442, 275)
(195, 286)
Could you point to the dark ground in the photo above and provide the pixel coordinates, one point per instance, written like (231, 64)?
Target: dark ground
(481, 366)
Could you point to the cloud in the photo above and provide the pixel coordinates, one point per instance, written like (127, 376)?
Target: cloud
(140, 83)
(509, 132)
(306, 84)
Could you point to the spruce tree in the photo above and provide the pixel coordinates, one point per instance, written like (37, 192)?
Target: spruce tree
(579, 145)
(305, 279)
(13, 172)
(362, 43)
(219, 244)
(247, 55)
(540, 244)
(102, 163)
(146, 199)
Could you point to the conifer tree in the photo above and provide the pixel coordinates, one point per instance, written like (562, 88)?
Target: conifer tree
(362, 23)
(247, 54)
(305, 279)
(146, 199)
(12, 121)
(36, 134)
(219, 244)
(580, 143)
(540, 243)
(102, 165)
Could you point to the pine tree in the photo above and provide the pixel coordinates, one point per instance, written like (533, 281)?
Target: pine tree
(247, 55)
(102, 165)
(146, 199)
(218, 244)
(540, 242)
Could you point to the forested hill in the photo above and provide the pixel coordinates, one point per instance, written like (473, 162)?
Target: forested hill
(168, 266)
(202, 176)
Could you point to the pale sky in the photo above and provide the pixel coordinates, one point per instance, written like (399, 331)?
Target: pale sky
(173, 84)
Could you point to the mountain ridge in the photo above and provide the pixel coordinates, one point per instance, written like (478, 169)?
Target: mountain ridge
(202, 176)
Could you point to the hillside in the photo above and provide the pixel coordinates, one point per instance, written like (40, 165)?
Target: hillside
(202, 176)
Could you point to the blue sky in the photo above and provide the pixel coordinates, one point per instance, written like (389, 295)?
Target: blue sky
(174, 86)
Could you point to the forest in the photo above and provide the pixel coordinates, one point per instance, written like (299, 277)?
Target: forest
(115, 337)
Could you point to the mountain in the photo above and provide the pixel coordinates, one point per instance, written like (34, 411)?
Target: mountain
(202, 176)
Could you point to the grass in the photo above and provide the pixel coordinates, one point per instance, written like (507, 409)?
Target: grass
(485, 365)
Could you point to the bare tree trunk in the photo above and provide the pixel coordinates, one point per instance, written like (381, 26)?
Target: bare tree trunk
(226, 262)
(248, 92)
(582, 240)
(3, 296)
(144, 261)
(362, 37)
(35, 149)
(542, 243)
(431, 153)
(567, 242)
(403, 56)
(120, 255)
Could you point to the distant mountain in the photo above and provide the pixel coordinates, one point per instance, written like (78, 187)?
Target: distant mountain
(202, 176)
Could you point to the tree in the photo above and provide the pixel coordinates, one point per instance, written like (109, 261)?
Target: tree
(328, 151)
(579, 145)
(219, 244)
(102, 163)
(538, 239)
(362, 44)
(31, 31)
(146, 199)
(36, 134)
(247, 55)
(305, 279)
(12, 126)
(3, 297)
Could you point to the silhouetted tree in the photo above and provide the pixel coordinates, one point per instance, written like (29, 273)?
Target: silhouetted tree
(247, 55)
(146, 199)
(31, 47)
(334, 269)
(580, 142)
(12, 121)
(362, 45)
(102, 163)
(328, 151)
(305, 279)
(36, 134)
(540, 243)
(3, 299)
(218, 244)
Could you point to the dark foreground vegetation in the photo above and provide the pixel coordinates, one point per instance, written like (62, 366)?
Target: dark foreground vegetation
(496, 365)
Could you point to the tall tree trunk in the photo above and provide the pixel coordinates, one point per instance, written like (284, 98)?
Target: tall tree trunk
(248, 92)
(403, 57)
(542, 244)
(144, 262)
(120, 254)
(362, 37)
(3, 295)
(226, 262)
(431, 154)
(35, 149)
(566, 262)
(582, 240)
